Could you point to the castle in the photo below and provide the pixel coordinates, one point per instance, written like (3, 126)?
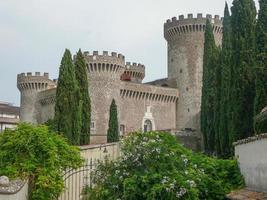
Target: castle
(172, 103)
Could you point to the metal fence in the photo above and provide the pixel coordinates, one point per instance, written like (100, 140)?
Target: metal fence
(75, 180)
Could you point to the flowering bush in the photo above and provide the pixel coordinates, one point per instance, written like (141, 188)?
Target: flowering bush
(154, 165)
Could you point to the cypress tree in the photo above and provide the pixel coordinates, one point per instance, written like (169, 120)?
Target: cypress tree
(113, 130)
(208, 90)
(261, 51)
(81, 77)
(225, 62)
(242, 91)
(67, 120)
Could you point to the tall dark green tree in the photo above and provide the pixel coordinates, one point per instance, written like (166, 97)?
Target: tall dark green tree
(67, 108)
(210, 60)
(261, 51)
(81, 77)
(223, 146)
(113, 130)
(242, 91)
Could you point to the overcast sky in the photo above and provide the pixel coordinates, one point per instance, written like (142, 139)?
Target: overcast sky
(34, 33)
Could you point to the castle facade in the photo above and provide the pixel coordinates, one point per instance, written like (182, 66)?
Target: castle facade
(172, 103)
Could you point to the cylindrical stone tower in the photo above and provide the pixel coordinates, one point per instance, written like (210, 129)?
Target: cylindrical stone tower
(29, 86)
(185, 38)
(104, 72)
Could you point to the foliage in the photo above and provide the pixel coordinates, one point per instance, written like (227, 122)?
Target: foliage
(68, 104)
(36, 153)
(81, 77)
(154, 166)
(113, 130)
(242, 91)
(208, 102)
(223, 147)
(261, 71)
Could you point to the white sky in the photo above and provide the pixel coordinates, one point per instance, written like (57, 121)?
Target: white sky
(34, 33)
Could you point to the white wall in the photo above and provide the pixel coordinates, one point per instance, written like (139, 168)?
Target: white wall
(252, 158)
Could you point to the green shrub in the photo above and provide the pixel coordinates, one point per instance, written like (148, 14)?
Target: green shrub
(39, 155)
(154, 166)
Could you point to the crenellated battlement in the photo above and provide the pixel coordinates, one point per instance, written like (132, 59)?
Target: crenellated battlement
(105, 62)
(133, 72)
(105, 53)
(181, 25)
(34, 81)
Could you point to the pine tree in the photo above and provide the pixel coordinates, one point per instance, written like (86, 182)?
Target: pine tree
(225, 62)
(67, 120)
(261, 51)
(210, 61)
(81, 77)
(242, 91)
(113, 130)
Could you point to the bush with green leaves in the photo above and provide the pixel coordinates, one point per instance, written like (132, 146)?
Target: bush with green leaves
(155, 166)
(39, 155)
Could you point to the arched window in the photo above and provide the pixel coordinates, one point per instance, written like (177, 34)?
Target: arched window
(147, 126)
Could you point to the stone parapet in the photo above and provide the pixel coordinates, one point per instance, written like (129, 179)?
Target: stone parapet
(105, 64)
(182, 25)
(148, 92)
(47, 97)
(135, 72)
(36, 81)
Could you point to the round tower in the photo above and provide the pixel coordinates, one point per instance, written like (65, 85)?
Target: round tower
(29, 86)
(104, 73)
(185, 38)
(133, 72)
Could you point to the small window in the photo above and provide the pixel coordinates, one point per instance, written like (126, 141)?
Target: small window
(187, 89)
(172, 60)
(181, 70)
(92, 125)
(188, 109)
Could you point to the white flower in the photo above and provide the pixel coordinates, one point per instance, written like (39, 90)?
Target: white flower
(185, 161)
(186, 172)
(117, 172)
(172, 185)
(191, 183)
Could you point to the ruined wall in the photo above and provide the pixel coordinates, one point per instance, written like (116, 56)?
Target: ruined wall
(141, 102)
(185, 38)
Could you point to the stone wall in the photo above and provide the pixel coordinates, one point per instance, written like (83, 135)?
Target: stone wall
(46, 105)
(141, 102)
(252, 159)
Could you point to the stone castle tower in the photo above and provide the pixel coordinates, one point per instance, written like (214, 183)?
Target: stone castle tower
(185, 38)
(30, 85)
(104, 72)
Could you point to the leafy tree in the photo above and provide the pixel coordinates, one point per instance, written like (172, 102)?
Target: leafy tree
(39, 155)
(223, 149)
(81, 77)
(153, 165)
(241, 104)
(210, 62)
(261, 50)
(113, 130)
(68, 107)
